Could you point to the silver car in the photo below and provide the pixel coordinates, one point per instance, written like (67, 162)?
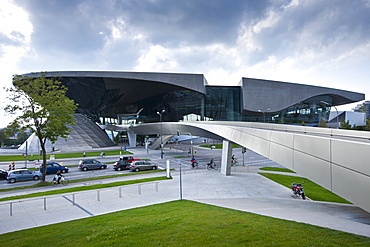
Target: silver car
(141, 165)
(22, 174)
(89, 164)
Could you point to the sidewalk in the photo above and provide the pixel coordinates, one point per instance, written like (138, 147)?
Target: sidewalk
(248, 192)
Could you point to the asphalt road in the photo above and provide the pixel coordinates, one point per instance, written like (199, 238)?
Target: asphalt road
(203, 156)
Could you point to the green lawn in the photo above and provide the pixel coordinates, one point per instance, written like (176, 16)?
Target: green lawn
(276, 169)
(311, 189)
(181, 223)
(43, 184)
(67, 189)
(217, 146)
(94, 154)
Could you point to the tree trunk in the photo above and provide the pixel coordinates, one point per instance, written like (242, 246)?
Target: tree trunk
(43, 149)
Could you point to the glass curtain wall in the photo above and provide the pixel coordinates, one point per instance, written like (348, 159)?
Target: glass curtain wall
(309, 111)
(223, 103)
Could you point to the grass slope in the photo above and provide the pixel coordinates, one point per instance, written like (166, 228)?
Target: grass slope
(311, 189)
(181, 223)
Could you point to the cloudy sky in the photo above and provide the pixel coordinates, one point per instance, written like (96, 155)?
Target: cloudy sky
(324, 43)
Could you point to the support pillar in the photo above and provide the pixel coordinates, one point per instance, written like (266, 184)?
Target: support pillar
(227, 149)
(131, 138)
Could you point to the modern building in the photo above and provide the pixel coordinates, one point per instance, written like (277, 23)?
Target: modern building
(364, 107)
(126, 98)
(353, 118)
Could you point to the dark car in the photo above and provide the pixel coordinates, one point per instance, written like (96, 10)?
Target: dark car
(89, 164)
(3, 174)
(142, 165)
(121, 165)
(22, 174)
(52, 168)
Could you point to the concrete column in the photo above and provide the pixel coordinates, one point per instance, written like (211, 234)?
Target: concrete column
(131, 138)
(227, 149)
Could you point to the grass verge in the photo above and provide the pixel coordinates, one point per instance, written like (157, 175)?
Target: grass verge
(276, 169)
(311, 189)
(95, 154)
(217, 146)
(43, 184)
(181, 223)
(83, 188)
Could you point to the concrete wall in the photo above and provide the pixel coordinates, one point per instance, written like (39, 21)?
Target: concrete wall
(337, 160)
(333, 158)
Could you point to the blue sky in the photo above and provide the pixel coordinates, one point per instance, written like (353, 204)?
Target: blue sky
(322, 43)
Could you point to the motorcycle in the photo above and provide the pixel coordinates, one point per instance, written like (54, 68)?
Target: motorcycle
(298, 190)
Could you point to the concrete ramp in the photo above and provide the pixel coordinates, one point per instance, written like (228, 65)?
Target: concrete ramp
(333, 158)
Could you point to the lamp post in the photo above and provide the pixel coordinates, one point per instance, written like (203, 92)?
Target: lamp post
(263, 115)
(160, 120)
(326, 103)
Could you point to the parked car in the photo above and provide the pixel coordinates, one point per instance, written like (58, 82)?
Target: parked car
(22, 174)
(127, 158)
(142, 165)
(52, 168)
(121, 165)
(3, 174)
(90, 164)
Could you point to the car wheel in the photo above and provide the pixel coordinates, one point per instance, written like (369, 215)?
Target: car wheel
(12, 180)
(154, 168)
(102, 167)
(119, 168)
(63, 171)
(36, 178)
(137, 169)
(84, 168)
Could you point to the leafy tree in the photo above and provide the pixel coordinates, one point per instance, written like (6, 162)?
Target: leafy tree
(367, 127)
(345, 125)
(42, 106)
(3, 137)
(322, 123)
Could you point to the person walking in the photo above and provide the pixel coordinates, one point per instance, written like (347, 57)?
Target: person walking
(11, 166)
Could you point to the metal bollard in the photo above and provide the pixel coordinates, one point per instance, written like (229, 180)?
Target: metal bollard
(44, 203)
(74, 201)
(98, 195)
(11, 208)
(120, 192)
(139, 189)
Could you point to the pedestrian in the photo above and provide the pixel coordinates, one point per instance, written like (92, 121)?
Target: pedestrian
(11, 165)
(84, 154)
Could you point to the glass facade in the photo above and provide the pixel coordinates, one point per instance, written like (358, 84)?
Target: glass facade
(308, 111)
(220, 103)
(223, 103)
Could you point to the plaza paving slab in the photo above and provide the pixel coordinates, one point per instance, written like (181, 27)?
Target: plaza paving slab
(249, 192)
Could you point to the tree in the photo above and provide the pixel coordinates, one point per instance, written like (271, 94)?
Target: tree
(322, 123)
(345, 125)
(43, 107)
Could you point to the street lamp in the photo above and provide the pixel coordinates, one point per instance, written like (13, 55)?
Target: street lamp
(160, 120)
(263, 115)
(326, 103)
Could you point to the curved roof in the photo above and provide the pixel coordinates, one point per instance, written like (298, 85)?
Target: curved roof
(194, 82)
(275, 95)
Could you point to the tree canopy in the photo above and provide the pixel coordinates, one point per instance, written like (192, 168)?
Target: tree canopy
(41, 105)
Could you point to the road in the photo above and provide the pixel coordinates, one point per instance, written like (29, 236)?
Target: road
(203, 156)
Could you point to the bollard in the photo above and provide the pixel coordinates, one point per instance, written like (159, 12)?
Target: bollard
(120, 192)
(156, 186)
(139, 189)
(98, 195)
(44, 203)
(11, 208)
(74, 202)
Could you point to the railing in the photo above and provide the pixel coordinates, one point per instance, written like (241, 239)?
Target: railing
(73, 194)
